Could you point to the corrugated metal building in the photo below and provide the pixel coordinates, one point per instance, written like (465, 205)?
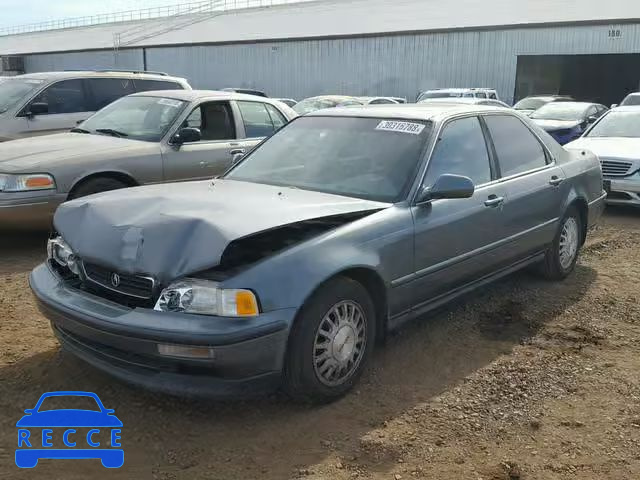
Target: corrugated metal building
(588, 48)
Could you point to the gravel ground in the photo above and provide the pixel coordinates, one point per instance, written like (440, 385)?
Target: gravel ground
(522, 380)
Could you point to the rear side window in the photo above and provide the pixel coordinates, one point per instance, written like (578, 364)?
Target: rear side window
(517, 148)
(66, 96)
(276, 117)
(461, 150)
(256, 119)
(107, 90)
(151, 85)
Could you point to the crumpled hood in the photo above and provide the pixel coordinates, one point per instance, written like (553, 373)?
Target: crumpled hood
(39, 153)
(607, 147)
(553, 125)
(168, 231)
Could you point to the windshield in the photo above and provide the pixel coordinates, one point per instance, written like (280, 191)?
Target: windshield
(530, 103)
(631, 100)
(560, 111)
(13, 91)
(312, 104)
(368, 158)
(136, 117)
(69, 402)
(617, 124)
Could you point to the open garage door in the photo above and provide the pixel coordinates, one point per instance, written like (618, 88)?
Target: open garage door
(605, 79)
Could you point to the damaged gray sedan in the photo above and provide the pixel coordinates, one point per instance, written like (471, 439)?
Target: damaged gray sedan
(340, 227)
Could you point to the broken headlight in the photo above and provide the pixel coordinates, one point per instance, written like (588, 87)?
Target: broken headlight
(204, 297)
(59, 252)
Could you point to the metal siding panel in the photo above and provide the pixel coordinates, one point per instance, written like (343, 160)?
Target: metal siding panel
(398, 65)
(125, 59)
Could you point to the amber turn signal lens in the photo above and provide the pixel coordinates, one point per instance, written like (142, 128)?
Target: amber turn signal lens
(246, 303)
(39, 182)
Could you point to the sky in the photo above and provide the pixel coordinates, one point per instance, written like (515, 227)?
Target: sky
(18, 12)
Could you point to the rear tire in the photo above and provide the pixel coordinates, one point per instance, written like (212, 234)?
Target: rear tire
(96, 185)
(331, 342)
(560, 260)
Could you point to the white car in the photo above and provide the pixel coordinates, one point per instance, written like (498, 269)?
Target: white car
(615, 138)
(52, 102)
(459, 92)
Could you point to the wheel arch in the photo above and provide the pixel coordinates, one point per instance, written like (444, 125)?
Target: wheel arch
(112, 174)
(375, 286)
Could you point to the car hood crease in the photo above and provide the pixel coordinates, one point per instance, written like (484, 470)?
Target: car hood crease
(172, 230)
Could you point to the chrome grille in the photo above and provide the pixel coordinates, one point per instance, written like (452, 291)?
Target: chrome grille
(615, 168)
(137, 286)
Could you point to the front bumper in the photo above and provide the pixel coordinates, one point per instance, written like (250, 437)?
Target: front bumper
(248, 353)
(28, 210)
(624, 191)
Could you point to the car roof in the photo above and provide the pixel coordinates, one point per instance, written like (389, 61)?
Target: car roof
(577, 104)
(191, 95)
(97, 74)
(337, 98)
(414, 111)
(461, 90)
(633, 94)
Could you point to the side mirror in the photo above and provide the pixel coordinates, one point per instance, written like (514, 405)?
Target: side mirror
(37, 108)
(186, 135)
(237, 157)
(591, 119)
(447, 186)
(614, 105)
(29, 411)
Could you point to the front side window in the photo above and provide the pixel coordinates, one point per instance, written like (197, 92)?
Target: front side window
(517, 148)
(631, 100)
(370, 158)
(214, 120)
(461, 150)
(66, 96)
(136, 117)
(107, 90)
(13, 91)
(256, 119)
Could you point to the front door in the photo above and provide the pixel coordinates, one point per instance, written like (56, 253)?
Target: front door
(213, 154)
(455, 239)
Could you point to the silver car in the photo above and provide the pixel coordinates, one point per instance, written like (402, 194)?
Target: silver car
(144, 138)
(52, 102)
(615, 138)
(287, 269)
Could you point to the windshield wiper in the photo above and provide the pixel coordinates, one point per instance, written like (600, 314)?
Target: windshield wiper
(79, 130)
(112, 132)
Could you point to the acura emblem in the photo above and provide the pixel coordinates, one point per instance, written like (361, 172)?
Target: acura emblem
(115, 279)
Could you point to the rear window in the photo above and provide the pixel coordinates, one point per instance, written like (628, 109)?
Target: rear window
(631, 100)
(151, 85)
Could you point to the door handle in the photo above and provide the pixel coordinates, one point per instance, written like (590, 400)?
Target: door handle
(494, 201)
(555, 181)
(236, 151)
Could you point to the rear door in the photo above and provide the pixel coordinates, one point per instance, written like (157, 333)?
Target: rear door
(259, 120)
(69, 104)
(533, 184)
(455, 238)
(210, 156)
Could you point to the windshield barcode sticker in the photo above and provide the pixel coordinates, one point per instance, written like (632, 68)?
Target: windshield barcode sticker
(169, 103)
(404, 127)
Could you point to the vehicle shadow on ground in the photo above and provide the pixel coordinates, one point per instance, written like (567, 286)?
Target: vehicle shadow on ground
(166, 437)
(21, 251)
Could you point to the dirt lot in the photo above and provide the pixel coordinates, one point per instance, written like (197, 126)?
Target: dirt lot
(522, 380)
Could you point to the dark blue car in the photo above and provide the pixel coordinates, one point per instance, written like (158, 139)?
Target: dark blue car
(566, 121)
(32, 448)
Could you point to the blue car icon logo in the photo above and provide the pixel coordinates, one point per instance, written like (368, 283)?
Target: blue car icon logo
(84, 433)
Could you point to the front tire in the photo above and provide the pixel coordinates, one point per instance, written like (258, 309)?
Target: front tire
(97, 185)
(561, 258)
(330, 343)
